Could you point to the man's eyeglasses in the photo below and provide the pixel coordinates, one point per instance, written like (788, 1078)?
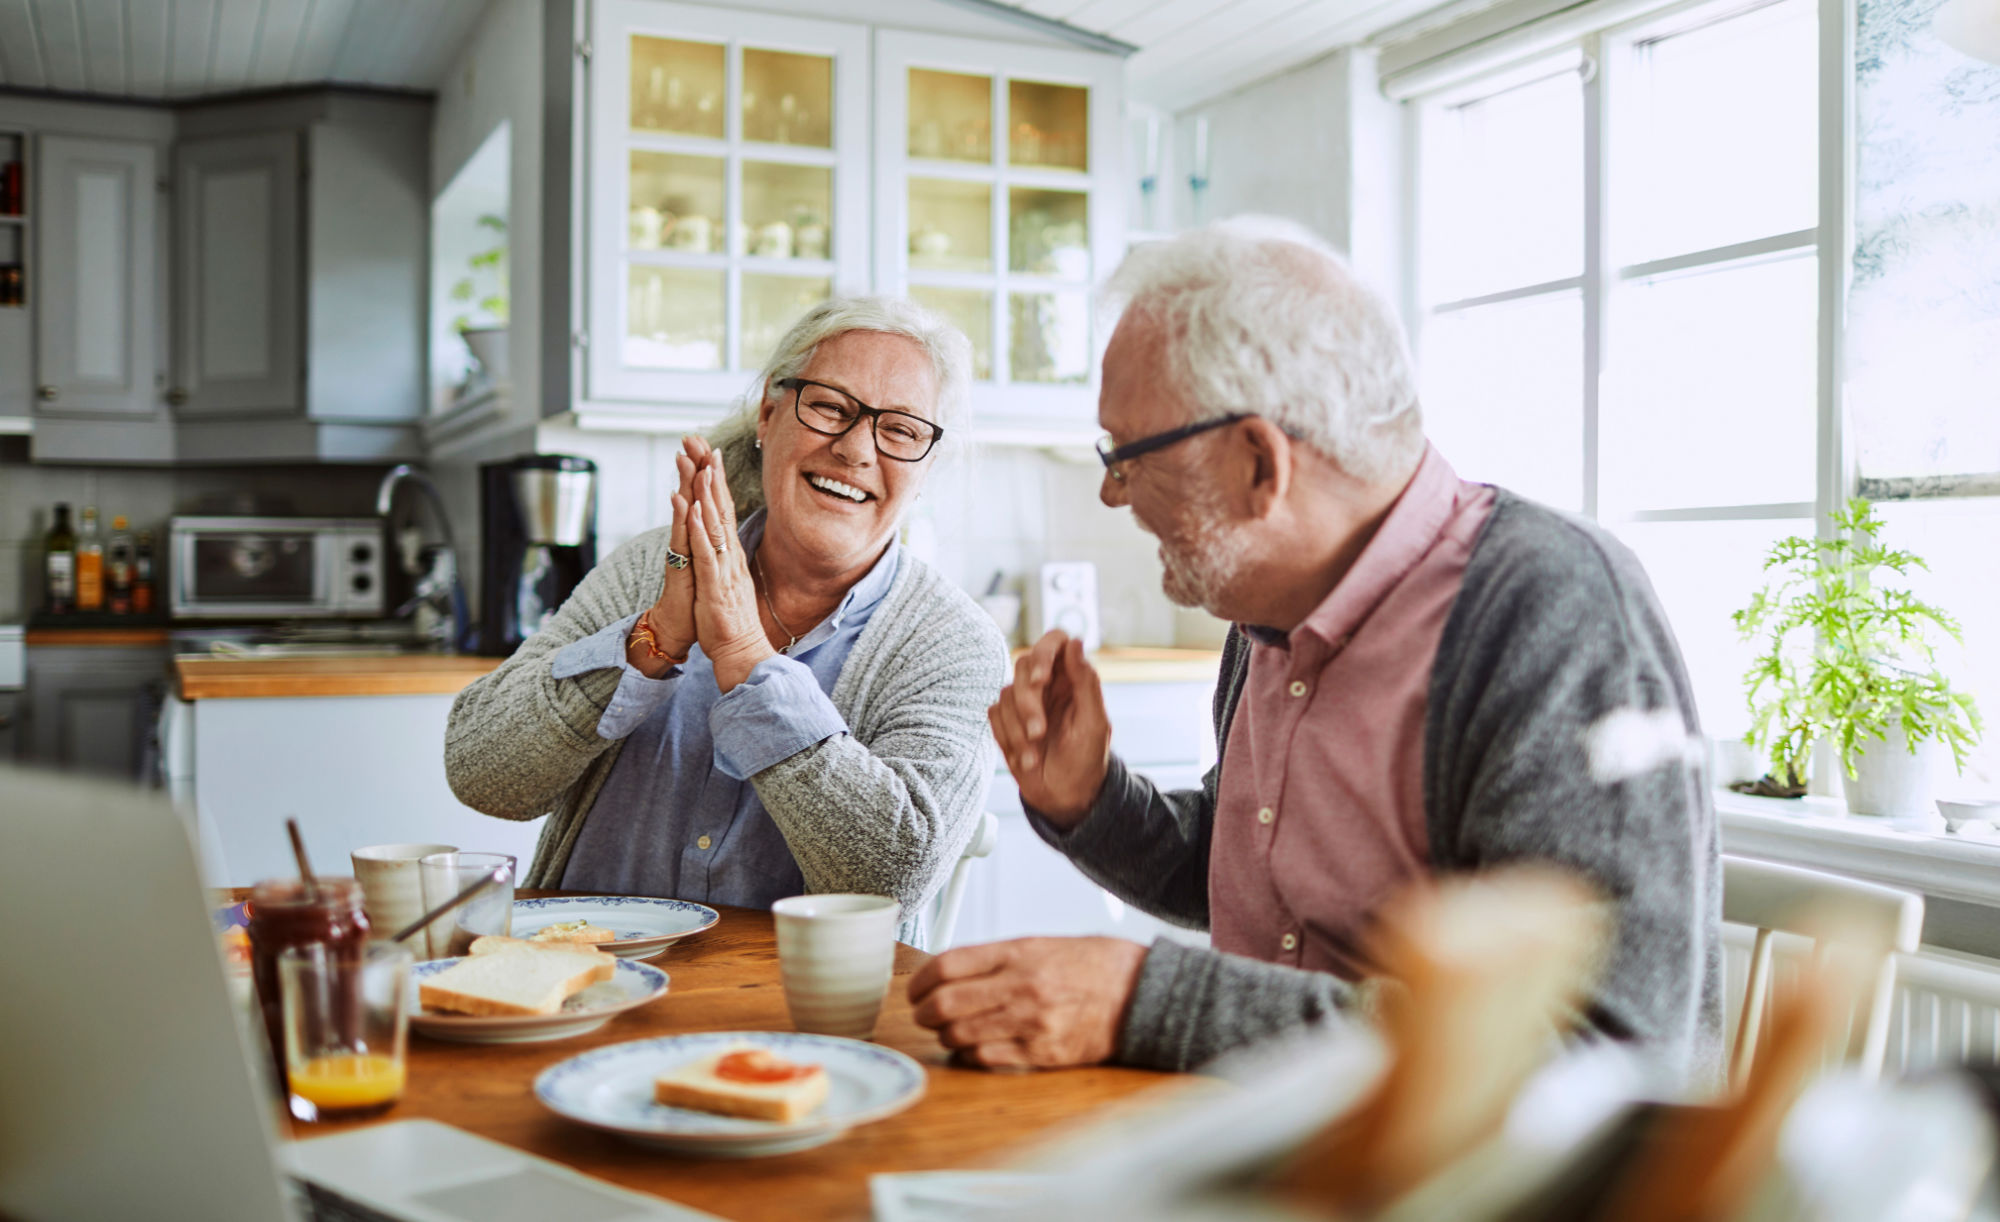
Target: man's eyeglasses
(831, 412)
(1113, 455)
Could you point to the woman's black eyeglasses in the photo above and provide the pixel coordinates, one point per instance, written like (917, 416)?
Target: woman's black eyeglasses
(831, 412)
(1115, 454)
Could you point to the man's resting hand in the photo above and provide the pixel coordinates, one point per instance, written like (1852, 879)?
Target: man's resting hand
(1032, 1002)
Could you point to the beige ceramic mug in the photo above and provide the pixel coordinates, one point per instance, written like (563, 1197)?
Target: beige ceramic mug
(392, 893)
(835, 955)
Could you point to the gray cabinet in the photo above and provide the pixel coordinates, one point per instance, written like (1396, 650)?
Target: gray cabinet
(92, 708)
(236, 233)
(10, 727)
(95, 350)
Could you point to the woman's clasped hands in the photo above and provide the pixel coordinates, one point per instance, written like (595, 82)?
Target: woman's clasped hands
(711, 600)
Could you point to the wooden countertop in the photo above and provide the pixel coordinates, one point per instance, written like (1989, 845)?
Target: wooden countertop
(95, 636)
(406, 674)
(1150, 664)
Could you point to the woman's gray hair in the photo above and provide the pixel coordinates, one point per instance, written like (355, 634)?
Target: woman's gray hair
(1257, 314)
(949, 351)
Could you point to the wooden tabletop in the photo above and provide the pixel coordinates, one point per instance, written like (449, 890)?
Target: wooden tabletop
(388, 674)
(724, 980)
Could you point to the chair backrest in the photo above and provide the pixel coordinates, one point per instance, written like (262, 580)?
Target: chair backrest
(944, 921)
(1776, 899)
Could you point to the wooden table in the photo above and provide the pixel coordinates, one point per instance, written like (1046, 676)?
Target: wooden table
(727, 979)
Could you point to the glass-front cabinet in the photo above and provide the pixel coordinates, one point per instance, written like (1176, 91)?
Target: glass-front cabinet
(728, 188)
(997, 172)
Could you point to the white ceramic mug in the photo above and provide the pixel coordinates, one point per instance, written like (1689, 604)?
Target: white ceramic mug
(835, 954)
(392, 892)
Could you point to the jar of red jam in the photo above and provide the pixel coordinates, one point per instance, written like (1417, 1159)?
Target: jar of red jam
(284, 914)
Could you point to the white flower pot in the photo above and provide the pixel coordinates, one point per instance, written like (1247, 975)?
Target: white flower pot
(489, 348)
(1891, 781)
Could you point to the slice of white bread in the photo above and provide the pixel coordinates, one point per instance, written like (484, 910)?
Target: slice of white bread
(511, 982)
(695, 1085)
(574, 931)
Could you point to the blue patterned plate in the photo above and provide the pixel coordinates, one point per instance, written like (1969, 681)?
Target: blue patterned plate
(631, 986)
(644, 925)
(612, 1089)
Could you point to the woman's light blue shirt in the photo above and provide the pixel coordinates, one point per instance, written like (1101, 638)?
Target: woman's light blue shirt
(678, 816)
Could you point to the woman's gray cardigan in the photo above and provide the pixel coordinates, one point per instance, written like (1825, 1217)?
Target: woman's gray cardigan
(885, 809)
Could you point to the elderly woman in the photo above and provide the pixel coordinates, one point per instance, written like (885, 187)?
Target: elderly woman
(736, 711)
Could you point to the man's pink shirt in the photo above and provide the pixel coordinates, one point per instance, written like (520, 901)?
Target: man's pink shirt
(1320, 810)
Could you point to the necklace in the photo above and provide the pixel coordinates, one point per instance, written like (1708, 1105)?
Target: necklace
(757, 558)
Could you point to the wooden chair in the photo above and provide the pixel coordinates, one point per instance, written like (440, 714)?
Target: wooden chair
(945, 920)
(1872, 919)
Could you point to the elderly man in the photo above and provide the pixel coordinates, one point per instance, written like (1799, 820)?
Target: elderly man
(1426, 676)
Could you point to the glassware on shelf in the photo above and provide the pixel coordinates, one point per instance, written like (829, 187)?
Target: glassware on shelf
(787, 98)
(674, 318)
(971, 311)
(1048, 232)
(784, 210)
(674, 202)
(1051, 337)
(771, 304)
(951, 225)
(951, 116)
(1048, 125)
(677, 86)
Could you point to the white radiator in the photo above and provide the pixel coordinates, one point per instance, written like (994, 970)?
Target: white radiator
(1947, 1008)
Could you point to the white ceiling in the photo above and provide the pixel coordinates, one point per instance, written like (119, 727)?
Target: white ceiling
(186, 48)
(1193, 50)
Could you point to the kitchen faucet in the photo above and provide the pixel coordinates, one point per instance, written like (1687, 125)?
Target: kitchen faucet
(440, 587)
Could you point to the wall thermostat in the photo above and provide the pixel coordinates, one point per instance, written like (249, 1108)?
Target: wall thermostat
(1066, 598)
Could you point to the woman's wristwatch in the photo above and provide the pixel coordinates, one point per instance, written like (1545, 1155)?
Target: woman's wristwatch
(642, 634)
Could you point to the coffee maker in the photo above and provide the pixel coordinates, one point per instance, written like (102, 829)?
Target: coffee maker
(538, 537)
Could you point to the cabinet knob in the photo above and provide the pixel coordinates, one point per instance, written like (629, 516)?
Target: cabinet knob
(47, 394)
(176, 397)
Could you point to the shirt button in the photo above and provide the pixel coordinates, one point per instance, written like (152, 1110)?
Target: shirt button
(1289, 942)
(1266, 815)
(1298, 687)
(702, 843)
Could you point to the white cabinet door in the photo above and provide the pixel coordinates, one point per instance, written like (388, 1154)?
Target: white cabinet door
(95, 349)
(998, 196)
(728, 179)
(237, 324)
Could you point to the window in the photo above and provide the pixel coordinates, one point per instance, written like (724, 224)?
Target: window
(1618, 269)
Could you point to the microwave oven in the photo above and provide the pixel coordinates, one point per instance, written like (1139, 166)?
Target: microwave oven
(275, 568)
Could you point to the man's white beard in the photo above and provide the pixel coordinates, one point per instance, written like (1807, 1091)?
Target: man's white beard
(1204, 559)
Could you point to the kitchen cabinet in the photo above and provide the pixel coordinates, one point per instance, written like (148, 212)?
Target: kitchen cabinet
(236, 200)
(998, 192)
(300, 268)
(95, 344)
(728, 169)
(10, 727)
(741, 166)
(92, 708)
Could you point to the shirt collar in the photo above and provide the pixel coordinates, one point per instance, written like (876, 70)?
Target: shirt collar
(1406, 535)
(863, 595)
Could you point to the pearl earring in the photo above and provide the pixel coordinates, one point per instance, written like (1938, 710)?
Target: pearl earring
(757, 443)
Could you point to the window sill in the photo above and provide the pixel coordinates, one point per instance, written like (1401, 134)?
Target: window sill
(1818, 833)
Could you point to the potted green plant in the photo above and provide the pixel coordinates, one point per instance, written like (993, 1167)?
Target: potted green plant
(1849, 657)
(483, 291)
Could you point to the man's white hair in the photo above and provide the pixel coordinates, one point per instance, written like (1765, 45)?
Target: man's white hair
(950, 355)
(1257, 314)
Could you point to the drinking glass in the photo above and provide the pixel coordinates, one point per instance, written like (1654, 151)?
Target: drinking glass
(346, 1025)
(489, 912)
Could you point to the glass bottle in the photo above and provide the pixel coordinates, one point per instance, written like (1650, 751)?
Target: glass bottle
(59, 564)
(118, 569)
(142, 574)
(89, 563)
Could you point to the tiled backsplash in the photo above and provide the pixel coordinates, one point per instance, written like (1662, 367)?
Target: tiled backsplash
(147, 497)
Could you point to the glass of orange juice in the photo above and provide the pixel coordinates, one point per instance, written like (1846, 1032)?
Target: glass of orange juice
(346, 1019)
